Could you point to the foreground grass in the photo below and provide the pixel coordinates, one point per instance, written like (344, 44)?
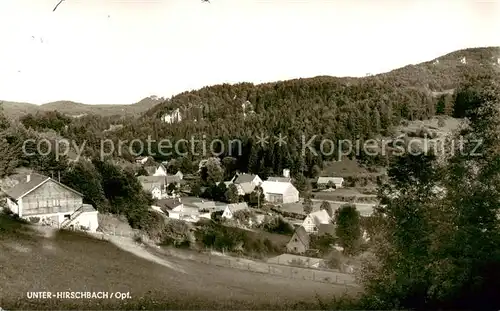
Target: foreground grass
(75, 262)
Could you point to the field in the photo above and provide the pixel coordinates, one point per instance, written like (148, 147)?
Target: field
(284, 271)
(69, 261)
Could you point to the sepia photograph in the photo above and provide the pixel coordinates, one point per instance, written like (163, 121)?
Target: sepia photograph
(249, 155)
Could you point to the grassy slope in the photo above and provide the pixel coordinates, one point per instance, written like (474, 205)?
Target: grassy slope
(69, 261)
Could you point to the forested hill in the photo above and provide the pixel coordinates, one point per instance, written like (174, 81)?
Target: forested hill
(329, 107)
(321, 107)
(408, 91)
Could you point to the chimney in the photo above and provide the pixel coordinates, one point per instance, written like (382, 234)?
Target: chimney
(286, 173)
(28, 178)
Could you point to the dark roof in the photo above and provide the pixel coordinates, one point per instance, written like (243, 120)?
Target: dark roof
(24, 187)
(326, 229)
(243, 178)
(168, 204)
(302, 235)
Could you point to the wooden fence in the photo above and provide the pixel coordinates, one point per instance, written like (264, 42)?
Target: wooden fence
(311, 274)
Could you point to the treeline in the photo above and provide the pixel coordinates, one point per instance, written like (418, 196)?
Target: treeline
(437, 236)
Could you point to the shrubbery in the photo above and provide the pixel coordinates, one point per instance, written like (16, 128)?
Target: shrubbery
(276, 225)
(230, 239)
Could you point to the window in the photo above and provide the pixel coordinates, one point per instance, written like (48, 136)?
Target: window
(67, 216)
(295, 249)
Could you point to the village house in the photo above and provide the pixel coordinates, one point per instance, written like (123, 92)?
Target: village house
(173, 208)
(245, 183)
(280, 192)
(231, 209)
(43, 200)
(299, 243)
(313, 221)
(285, 178)
(156, 185)
(142, 160)
(324, 181)
(156, 170)
(279, 179)
(247, 178)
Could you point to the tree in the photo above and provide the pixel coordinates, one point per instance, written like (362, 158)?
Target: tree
(8, 158)
(441, 122)
(171, 187)
(276, 225)
(331, 185)
(348, 229)
(84, 177)
(212, 171)
(195, 187)
(256, 198)
(307, 204)
(302, 184)
(322, 243)
(219, 193)
(229, 165)
(4, 122)
(142, 172)
(325, 205)
(438, 242)
(121, 188)
(231, 194)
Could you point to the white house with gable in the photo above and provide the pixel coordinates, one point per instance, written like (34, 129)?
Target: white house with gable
(313, 221)
(337, 181)
(233, 208)
(43, 200)
(280, 192)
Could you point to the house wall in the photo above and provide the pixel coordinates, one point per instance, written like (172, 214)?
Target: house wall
(160, 172)
(156, 193)
(50, 198)
(12, 206)
(309, 225)
(178, 209)
(174, 215)
(291, 195)
(87, 219)
(295, 246)
(227, 213)
(274, 197)
(257, 181)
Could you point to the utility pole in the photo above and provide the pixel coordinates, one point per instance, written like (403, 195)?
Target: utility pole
(258, 198)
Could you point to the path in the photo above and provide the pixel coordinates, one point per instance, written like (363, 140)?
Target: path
(129, 245)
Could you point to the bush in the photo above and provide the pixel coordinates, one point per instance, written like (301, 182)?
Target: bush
(176, 233)
(441, 122)
(277, 225)
(334, 260)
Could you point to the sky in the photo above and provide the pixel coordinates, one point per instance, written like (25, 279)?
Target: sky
(118, 52)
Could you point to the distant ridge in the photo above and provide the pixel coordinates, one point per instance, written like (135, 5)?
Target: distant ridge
(16, 110)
